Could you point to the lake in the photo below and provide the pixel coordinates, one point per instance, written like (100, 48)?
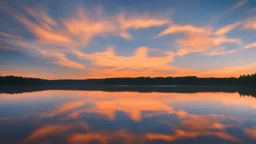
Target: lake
(127, 117)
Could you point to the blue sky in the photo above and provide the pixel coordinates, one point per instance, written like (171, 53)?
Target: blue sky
(97, 39)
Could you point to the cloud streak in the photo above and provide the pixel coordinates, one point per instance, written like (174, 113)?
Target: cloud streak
(200, 39)
(239, 4)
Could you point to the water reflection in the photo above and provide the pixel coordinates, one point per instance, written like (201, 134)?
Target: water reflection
(57, 116)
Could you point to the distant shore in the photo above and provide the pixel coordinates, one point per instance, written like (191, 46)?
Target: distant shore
(244, 85)
(243, 80)
(242, 90)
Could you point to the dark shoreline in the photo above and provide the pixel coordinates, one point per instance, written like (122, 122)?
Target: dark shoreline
(244, 80)
(242, 90)
(244, 85)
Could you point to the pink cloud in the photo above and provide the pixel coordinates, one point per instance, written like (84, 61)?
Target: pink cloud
(184, 28)
(225, 29)
(239, 4)
(140, 22)
(251, 45)
(250, 24)
(200, 39)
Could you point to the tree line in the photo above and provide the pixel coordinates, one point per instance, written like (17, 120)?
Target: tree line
(249, 80)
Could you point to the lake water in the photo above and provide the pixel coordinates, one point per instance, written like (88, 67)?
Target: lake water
(78, 117)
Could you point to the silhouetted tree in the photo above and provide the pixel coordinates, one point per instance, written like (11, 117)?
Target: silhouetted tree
(249, 80)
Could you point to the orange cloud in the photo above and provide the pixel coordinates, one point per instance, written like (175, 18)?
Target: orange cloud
(125, 65)
(251, 45)
(125, 35)
(184, 28)
(200, 39)
(62, 60)
(43, 29)
(202, 43)
(85, 28)
(219, 51)
(250, 24)
(224, 30)
(108, 58)
(56, 39)
(141, 22)
(231, 71)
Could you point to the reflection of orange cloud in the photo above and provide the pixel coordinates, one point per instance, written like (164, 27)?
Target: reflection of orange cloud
(251, 132)
(134, 104)
(87, 137)
(48, 130)
(193, 122)
(183, 134)
(157, 103)
(64, 108)
(54, 130)
(106, 137)
(131, 107)
(148, 102)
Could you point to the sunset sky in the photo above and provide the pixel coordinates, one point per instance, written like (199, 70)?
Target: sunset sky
(57, 39)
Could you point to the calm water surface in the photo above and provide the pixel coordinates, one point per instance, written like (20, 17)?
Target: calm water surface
(78, 117)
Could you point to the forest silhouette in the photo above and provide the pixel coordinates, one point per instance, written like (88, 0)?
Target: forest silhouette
(244, 85)
(247, 80)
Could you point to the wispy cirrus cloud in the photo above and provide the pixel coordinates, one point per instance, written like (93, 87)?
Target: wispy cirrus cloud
(250, 24)
(200, 39)
(184, 28)
(224, 30)
(56, 38)
(140, 22)
(251, 45)
(239, 4)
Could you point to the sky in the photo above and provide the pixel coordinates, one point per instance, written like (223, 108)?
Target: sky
(81, 39)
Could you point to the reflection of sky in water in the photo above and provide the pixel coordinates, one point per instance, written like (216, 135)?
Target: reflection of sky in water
(127, 117)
